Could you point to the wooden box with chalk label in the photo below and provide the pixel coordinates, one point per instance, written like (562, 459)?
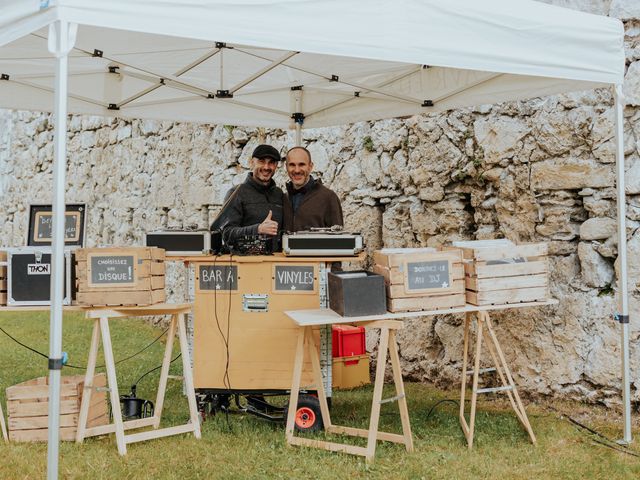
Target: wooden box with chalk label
(421, 278)
(120, 276)
(498, 272)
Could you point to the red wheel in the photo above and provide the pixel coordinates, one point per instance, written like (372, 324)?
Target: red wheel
(305, 418)
(308, 417)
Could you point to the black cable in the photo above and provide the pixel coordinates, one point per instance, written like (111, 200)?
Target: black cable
(135, 384)
(450, 400)
(225, 340)
(84, 367)
(612, 444)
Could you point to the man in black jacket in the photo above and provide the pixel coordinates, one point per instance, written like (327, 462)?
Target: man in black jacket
(255, 206)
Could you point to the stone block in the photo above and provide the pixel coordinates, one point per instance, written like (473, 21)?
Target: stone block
(597, 272)
(570, 174)
(598, 228)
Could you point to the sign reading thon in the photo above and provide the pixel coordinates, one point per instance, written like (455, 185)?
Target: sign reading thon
(39, 269)
(428, 275)
(218, 277)
(112, 269)
(294, 278)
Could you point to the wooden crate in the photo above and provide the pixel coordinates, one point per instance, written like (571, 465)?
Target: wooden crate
(3, 278)
(509, 274)
(441, 276)
(120, 276)
(28, 408)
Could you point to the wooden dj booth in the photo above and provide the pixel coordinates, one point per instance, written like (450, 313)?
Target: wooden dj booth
(243, 341)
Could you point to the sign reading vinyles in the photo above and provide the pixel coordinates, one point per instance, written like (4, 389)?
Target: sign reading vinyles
(218, 277)
(41, 225)
(428, 275)
(116, 270)
(294, 278)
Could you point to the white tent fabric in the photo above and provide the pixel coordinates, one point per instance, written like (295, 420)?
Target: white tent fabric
(355, 60)
(310, 63)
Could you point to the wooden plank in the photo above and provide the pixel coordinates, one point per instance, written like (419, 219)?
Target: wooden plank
(3, 298)
(3, 285)
(34, 392)
(507, 296)
(15, 409)
(121, 298)
(525, 250)
(144, 253)
(331, 446)
(506, 270)
(398, 291)
(395, 276)
(163, 432)
(144, 269)
(67, 434)
(425, 303)
(154, 282)
(399, 259)
(506, 283)
(29, 423)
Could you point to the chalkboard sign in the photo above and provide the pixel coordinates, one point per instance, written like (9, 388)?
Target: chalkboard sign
(116, 270)
(218, 277)
(428, 275)
(294, 278)
(41, 225)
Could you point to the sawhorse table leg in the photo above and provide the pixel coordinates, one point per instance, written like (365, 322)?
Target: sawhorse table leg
(101, 329)
(485, 330)
(3, 425)
(372, 434)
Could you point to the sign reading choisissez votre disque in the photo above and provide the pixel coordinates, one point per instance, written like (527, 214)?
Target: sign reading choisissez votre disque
(113, 270)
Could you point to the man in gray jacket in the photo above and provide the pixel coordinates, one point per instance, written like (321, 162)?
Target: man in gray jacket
(255, 206)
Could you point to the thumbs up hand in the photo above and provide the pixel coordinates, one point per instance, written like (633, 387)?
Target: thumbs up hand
(268, 226)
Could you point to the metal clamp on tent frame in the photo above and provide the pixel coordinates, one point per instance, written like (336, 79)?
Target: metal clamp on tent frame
(298, 117)
(56, 363)
(620, 318)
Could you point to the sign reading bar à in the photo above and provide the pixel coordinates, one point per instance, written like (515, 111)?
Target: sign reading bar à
(294, 278)
(116, 270)
(428, 275)
(218, 277)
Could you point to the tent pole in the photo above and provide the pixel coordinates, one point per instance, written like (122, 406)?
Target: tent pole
(59, 33)
(623, 301)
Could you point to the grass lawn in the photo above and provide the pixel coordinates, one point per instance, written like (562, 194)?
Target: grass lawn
(247, 447)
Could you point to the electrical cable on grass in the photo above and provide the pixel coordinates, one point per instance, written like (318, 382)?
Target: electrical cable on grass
(600, 439)
(446, 400)
(225, 339)
(135, 384)
(84, 367)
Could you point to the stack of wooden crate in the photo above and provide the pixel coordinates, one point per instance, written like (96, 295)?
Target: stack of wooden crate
(3, 278)
(421, 278)
(120, 276)
(498, 273)
(350, 357)
(28, 408)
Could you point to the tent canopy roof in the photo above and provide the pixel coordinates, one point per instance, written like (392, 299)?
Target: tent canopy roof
(259, 62)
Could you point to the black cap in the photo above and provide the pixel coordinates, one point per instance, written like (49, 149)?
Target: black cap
(266, 151)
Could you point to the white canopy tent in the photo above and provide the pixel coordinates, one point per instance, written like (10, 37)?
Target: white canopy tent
(294, 64)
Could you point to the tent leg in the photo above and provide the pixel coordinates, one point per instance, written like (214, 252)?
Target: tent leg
(623, 301)
(61, 35)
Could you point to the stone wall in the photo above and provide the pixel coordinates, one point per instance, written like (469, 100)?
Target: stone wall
(540, 170)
